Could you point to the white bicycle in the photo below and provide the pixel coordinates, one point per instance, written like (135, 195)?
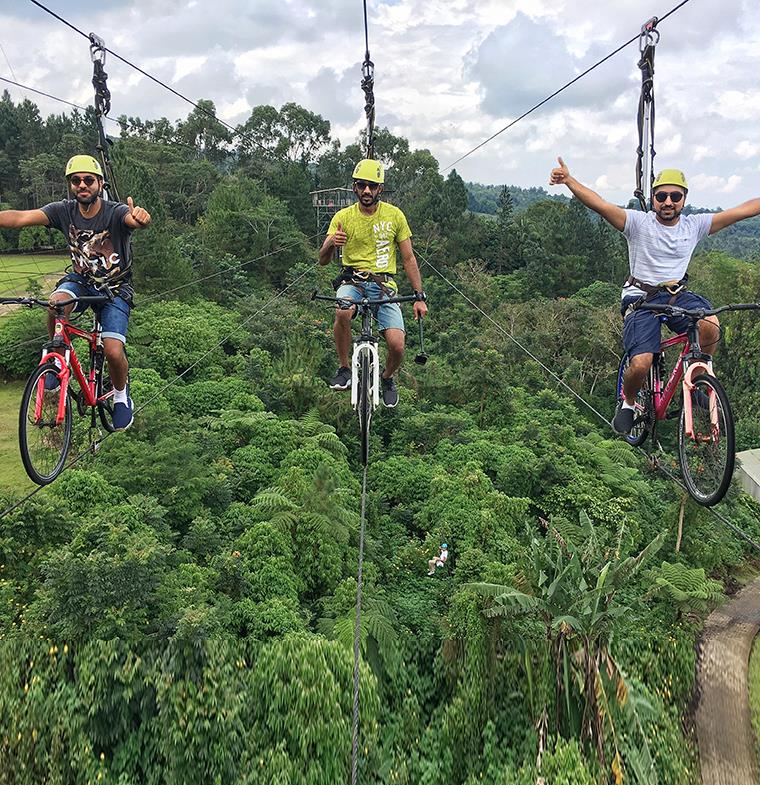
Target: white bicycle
(365, 360)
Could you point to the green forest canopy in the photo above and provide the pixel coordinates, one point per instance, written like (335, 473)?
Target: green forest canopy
(179, 608)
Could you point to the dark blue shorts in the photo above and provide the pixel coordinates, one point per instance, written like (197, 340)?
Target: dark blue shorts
(114, 316)
(641, 329)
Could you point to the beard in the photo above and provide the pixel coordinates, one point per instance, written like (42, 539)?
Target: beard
(86, 199)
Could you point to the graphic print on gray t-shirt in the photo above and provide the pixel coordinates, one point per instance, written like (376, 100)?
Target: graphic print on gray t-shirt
(99, 246)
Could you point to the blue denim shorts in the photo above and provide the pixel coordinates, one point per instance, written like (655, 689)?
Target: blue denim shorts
(388, 316)
(641, 329)
(114, 316)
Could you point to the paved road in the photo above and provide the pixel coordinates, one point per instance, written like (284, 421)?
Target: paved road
(724, 729)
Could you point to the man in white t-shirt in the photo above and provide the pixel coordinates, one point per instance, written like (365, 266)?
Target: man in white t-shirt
(660, 245)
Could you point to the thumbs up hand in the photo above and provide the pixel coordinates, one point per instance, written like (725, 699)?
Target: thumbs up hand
(140, 216)
(340, 237)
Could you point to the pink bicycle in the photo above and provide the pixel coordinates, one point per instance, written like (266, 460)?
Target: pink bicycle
(706, 428)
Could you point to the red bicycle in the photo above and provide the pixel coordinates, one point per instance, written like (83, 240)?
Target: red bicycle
(45, 416)
(706, 427)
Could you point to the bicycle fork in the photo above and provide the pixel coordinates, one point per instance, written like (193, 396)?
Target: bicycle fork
(695, 368)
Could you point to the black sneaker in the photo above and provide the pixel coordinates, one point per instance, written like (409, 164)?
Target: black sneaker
(623, 421)
(341, 380)
(390, 393)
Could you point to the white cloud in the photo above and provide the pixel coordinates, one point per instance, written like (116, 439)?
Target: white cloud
(448, 74)
(746, 149)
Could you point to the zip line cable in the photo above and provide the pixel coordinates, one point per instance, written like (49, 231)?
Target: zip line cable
(52, 97)
(556, 92)
(580, 398)
(236, 131)
(357, 637)
(169, 384)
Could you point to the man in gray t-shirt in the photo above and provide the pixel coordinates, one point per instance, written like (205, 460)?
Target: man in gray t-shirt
(660, 245)
(99, 234)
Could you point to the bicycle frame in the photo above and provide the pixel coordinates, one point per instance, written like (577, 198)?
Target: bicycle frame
(691, 362)
(61, 349)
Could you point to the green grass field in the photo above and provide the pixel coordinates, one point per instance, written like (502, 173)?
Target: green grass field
(12, 474)
(754, 691)
(15, 272)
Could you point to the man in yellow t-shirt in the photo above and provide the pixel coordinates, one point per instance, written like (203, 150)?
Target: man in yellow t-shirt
(368, 232)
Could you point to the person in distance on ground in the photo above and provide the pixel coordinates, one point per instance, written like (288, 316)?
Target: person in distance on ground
(660, 246)
(368, 233)
(99, 232)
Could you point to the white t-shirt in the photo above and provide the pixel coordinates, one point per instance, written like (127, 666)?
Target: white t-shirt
(659, 253)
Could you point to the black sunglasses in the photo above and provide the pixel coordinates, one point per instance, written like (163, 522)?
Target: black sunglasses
(675, 196)
(88, 180)
(362, 184)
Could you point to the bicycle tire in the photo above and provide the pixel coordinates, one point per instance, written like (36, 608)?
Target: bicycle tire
(707, 458)
(44, 445)
(643, 418)
(364, 407)
(103, 385)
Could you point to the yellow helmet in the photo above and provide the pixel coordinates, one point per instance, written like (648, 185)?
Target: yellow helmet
(84, 163)
(670, 177)
(370, 170)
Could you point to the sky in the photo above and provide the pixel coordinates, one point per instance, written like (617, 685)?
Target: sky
(448, 74)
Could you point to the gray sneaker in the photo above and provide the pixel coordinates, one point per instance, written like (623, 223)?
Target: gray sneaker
(390, 393)
(341, 380)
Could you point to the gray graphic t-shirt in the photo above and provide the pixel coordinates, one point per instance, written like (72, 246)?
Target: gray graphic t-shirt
(99, 246)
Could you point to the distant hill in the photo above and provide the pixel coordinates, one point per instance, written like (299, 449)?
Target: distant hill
(485, 198)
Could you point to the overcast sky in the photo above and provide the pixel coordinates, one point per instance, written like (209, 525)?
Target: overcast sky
(448, 74)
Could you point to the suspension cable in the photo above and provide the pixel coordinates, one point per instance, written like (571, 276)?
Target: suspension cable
(102, 108)
(368, 85)
(236, 131)
(47, 95)
(556, 92)
(99, 442)
(645, 152)
(580, 398)
(357, 637)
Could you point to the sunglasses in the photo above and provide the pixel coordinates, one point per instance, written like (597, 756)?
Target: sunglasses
(362, 184)
(675, 196)
(76, 181)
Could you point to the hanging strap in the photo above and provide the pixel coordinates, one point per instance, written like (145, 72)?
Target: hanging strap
(645, 152)
(368, 86)
(102, 108)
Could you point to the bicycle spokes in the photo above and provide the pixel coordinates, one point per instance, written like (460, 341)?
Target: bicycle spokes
(706, 440)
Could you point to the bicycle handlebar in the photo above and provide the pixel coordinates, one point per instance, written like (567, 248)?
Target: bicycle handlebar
(696, 313)
(32, 301)
(344, 303)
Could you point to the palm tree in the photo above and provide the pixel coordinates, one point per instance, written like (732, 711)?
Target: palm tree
(572, 584)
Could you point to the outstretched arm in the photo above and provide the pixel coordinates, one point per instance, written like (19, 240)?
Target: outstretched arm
(727, 217)
(611, 213)
(16, 219)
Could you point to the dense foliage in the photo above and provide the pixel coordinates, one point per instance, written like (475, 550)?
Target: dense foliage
(180, 608)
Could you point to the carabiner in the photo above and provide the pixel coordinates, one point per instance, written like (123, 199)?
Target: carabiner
(650, 35)
(97, 49)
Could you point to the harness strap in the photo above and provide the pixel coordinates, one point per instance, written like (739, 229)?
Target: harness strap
(359, 277)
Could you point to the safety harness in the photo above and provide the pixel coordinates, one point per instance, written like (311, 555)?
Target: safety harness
(359, 278)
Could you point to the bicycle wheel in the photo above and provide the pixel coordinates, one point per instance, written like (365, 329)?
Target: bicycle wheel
(643, 416)
(707, 457)
(104, 393)
(44, 444)
(364, 404)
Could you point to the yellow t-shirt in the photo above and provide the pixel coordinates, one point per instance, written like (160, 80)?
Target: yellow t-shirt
(372, 239)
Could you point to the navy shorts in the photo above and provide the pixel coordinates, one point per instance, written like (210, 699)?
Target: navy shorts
(114, 316)
(641, 329)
